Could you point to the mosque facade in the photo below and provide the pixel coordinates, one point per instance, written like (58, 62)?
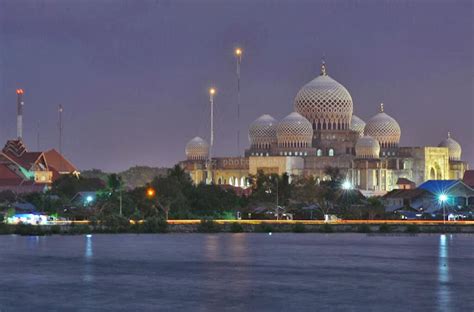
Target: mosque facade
(323, 132)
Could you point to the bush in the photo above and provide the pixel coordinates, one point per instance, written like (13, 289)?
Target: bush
(236, 227)
(55, 229)
(208, 226)
(298, 228)
(412, 228)
(79, 229)
(264, 228)
(115, 223)
(5, 228)
(28, 230)
(385, 228)
(155, 225)
(364, 228)
(327, 228)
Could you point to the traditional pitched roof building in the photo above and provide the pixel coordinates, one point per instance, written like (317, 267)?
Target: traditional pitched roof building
(22, 171)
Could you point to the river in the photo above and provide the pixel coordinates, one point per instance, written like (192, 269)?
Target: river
(237, 272)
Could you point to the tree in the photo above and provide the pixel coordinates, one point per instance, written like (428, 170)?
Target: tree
(69, 185)
(114, 182)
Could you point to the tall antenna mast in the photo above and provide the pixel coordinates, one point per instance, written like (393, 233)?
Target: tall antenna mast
(19, 113)
(212, 92)
(60, 128)
(38, 148)
(238, 56)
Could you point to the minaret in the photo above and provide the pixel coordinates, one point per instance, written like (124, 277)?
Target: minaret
(19, 113)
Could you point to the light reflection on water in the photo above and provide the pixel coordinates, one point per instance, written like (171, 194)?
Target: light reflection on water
(444, 293)
(88, 266)
(237, 272)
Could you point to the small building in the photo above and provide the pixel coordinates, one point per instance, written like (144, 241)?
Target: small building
(22, 171)
(456, 192)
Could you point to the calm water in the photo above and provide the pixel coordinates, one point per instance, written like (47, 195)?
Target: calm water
(237, 272)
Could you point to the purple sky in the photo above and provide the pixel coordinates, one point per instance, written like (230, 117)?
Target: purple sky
(133, 75)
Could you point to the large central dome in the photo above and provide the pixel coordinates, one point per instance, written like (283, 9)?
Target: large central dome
(325, 103)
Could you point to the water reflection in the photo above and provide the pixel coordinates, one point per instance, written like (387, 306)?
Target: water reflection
(88, 254)
(211, 245)
(444, 293)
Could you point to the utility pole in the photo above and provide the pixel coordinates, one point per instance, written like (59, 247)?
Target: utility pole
(38, 148)
(60, 126)
(19, 113)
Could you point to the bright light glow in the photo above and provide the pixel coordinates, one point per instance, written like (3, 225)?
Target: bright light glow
(19, 91)
(89, 235)
(212, 91)
(150, 192)
(89, 199)
(238, 51)
(443, 198)
(346, 185)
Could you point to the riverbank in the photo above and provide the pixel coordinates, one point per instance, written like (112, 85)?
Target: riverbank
(238, 226)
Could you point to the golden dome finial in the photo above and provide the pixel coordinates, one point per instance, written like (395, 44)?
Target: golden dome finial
(381, 107)
(323, 67)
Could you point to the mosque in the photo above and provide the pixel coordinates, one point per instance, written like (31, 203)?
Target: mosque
(322, 132)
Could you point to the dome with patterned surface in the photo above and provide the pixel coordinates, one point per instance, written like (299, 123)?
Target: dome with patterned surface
(454, 148)
(357, 125)
(325, 103)
(384, 129)
(367, 147)
(262, 132)
(294, 131)
(197, 149)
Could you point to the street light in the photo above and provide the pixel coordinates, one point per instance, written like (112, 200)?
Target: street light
(346, 185)
(238, 56)
(443, 198)
(150, 192)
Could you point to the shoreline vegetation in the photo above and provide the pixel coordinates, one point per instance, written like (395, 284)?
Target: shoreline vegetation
(156, 225)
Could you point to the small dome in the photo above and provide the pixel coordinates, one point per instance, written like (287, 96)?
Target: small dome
(357, 125)
(262, 132)
(197, 149)
(384, 129)
(325, 103)
(367, 147)
(454, 148)
(294, 131)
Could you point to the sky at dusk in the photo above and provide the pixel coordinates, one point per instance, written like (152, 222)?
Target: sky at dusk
(133, 75)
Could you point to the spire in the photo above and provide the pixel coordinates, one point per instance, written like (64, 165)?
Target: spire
(381, 107)
(449, 135)
(323, 67)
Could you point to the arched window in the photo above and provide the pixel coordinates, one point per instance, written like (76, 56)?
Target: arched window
(319, 152)
(331, 152)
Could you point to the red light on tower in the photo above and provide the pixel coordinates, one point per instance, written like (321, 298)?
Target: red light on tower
(19, 91)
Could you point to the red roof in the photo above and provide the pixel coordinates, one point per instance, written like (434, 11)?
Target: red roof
(57, 162)
(27, 160)
(469, 178)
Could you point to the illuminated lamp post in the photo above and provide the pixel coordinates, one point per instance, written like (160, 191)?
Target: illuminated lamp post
(443, 198)
(212, 92)
(238, 56)
(151, 194)
(346, 185)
